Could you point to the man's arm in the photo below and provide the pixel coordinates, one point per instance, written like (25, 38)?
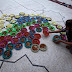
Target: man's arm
(69, 43)
(58, 31)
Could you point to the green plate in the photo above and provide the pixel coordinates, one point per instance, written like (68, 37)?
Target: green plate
(47, 24)
(22, 26)
(34, 22)
(42, 25)
(28, 23)
(13, 33)
(51, 29)
(17, 29)
(7, 56)
(4, 33)
(9, 30)
(15, 25)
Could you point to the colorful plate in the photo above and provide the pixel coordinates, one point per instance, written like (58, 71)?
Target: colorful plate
(26, 34)
(38, 29)
(9, 30)
(18, 46)
(23, 39)
(35, 48)
(34, 22)
(35, 41)
(23, 30)
(37, 36)
(19, 35)
(32, 27)
(51, 28)
(10, 46)
(4, 33)
(30, 37)
(28, 23)
(39, 21)
(7, 54)
(1, 51)
(32, 32)
(47, 24)
(37, 25)
(13, 33)
(43, 47)
(42, 25)
(28, 44)
(18, 29)
(8, 38)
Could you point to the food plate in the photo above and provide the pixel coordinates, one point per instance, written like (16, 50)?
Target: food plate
(32, 27)
(28, 44)
(26, 34)
(30, 37)
(32, 32)
(13, 33)
(37, 36)
(47, 24)
(45, 28)
(38, 29)
(1, 51)
(18, 29)
(37, 25)
(34, 22)
(63, 37)
(42, 25)
(35, 41)
(46, 33)
(2, 38)
(35, 48)
(2, 45)
(18, 46)
(8, 38)
(19, 35)
(23, 39)
(4, 33)
(10, 46)
(7, 54)
(39, 21)
(9, 30)
(28, 23)
(51, 28)
(24, 30)
(56, 37)
(14, 40)
(43, 47)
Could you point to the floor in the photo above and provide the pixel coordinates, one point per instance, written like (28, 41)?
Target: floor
(57, 58)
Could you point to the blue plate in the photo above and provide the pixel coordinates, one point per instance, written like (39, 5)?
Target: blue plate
(24, 21)
(23, 18)
(39, 21)
(7, 54)
(30, 37)
(38, 17)
(38, 29)
(27, 17)
(58, 37)
(20, 23)
(10, 46)
(32, 32)
(45, 21)
(28, 20)
(23, 39)
(19, 20)
(42, 19)
(33, 18)
(28, 44)
(1, 51)
(18, 46)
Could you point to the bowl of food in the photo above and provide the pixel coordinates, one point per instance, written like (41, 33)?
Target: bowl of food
(7, 54)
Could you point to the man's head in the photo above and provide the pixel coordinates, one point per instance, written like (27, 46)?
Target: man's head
(69, 24)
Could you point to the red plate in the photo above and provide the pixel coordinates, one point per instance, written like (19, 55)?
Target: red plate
(19, 35)
(23, 30)
(45, 33)
(37, 36)
(35, 41)
(45, 29)
(8, 38)
(31, 27)
(2, 38)
(26, 34)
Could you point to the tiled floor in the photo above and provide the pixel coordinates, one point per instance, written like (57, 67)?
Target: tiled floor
(57, 58)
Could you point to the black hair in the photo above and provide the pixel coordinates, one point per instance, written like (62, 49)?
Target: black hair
(69, 23)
